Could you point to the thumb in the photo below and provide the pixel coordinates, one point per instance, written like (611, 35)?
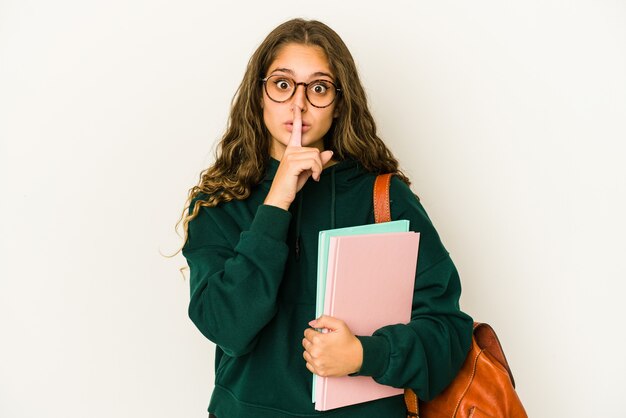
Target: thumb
(328, 322)
(325, 156)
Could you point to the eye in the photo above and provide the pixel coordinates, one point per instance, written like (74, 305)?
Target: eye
(283, 84)
(320, 87)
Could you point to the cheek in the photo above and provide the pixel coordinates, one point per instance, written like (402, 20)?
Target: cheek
(272, 120)
(269, 114)
(327, 119)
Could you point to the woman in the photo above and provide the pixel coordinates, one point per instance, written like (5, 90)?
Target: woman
(300, 155)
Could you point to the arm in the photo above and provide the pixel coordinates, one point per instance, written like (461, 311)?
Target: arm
(234, 284)
(423, 355)
(234, 287)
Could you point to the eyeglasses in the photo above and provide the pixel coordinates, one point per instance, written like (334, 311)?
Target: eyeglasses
(320, 93)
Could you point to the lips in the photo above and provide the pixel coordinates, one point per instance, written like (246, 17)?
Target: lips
(305, 126)
(290, 123)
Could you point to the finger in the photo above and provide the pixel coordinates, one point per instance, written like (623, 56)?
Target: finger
(303, 160)
(303, 153)
(303, 165)
(309, 333)
(311, 369)
(304, 150)
(327, 322)
(306, 343)
(326, 156)
(316, 170)
(296, 130)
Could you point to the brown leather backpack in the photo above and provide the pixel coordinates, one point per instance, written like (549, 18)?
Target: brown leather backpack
(484, 387)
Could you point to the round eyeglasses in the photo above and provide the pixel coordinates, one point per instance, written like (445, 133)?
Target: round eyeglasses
(320, 93)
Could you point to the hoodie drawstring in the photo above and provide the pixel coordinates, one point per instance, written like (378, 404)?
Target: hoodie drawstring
(332, 198)
(298, 220)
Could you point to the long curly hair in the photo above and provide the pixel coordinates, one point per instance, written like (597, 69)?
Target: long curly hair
(244, 150)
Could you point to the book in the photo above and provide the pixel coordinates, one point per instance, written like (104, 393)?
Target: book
(324, 241)
(322, 258)
(369, 284)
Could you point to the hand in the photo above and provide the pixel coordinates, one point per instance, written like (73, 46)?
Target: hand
(334, 353)
(297, 164)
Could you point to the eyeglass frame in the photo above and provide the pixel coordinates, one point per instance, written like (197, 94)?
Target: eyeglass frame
(306, 90)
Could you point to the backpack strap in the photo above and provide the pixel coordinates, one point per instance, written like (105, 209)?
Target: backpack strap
(412, 405)
(382, 210)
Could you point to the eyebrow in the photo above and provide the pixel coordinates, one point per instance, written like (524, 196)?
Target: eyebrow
(315, 74)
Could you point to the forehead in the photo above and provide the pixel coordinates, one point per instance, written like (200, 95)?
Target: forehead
(302, 60)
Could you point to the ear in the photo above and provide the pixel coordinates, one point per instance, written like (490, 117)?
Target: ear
(337, 109)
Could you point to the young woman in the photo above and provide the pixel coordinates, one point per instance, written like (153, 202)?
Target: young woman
(300, 155)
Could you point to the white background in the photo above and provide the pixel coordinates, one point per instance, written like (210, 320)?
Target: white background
(509, 118)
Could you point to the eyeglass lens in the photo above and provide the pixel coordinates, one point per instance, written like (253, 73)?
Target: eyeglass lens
(320, 93)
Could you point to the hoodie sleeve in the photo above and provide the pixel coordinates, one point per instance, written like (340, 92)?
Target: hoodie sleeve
(425, 354)
(235, 276)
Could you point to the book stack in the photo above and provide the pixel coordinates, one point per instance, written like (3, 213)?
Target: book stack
(365, 277)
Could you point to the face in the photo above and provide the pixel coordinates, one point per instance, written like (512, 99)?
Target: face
(302, 63)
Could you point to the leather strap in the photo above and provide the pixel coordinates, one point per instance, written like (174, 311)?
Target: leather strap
(412, 405)
(382, 210)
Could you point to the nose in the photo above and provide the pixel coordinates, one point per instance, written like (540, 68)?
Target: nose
(299, 97)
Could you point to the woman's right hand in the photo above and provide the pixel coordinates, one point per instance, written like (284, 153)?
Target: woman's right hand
(296, 166)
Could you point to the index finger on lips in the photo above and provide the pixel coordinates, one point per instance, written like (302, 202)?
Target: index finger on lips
(296, 130)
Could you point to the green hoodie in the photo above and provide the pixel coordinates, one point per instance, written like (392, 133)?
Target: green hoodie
(253, 284)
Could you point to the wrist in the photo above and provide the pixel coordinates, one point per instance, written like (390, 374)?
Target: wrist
(272, 200)
(277, 203)
(358, 356)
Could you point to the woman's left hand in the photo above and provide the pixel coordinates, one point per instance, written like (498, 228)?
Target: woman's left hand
(334, 353)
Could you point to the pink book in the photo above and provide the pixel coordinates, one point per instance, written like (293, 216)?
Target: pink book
(369, 284)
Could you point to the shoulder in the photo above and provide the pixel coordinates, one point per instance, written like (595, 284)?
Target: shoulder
(197, 200)
(401, 188)
(405, 204)
(206, 205)
(203, 211)
(402, 196)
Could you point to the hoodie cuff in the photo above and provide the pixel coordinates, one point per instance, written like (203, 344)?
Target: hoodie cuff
(375, 356)
(271, 221)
